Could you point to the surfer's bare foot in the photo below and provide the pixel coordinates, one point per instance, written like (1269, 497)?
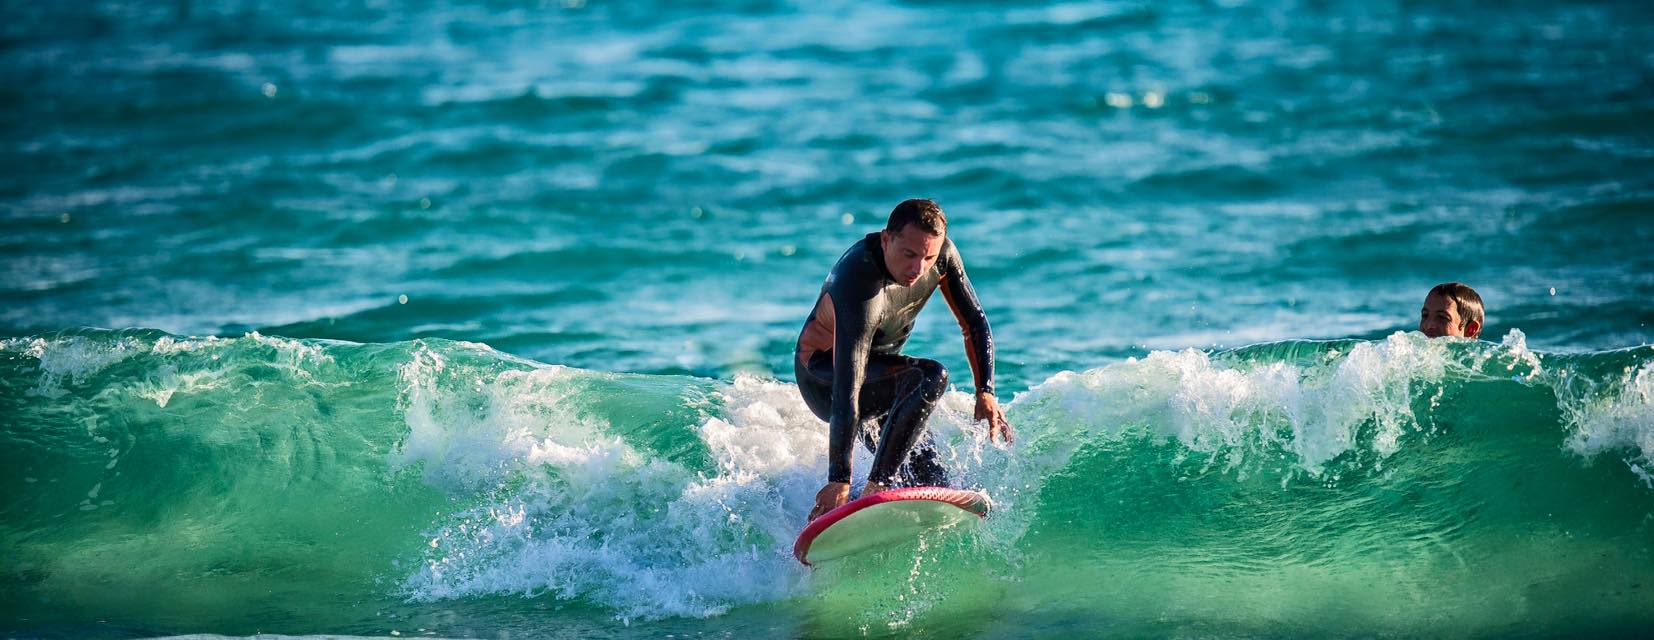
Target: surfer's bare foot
(830, 497)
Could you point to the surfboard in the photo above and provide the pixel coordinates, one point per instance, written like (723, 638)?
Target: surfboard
(886, 518)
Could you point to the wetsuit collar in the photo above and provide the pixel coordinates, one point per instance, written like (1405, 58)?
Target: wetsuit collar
(875, 248)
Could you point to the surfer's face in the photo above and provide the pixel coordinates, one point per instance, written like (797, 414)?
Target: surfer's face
(1440, 317)
(909, 253)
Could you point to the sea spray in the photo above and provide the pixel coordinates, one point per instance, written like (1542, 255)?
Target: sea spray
(1613, 415)
(558, 504)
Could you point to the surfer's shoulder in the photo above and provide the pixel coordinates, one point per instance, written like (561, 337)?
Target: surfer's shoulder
(857, 271)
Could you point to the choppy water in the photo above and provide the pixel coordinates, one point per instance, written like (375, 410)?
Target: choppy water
(1196, 227)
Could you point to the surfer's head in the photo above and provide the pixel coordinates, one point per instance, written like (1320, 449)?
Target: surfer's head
(1451, 309)
(912, 239)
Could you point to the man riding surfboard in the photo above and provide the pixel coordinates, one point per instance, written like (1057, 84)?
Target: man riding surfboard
(849, 364)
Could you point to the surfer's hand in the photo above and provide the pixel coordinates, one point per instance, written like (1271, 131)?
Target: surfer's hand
(987, 408)
(830, 497)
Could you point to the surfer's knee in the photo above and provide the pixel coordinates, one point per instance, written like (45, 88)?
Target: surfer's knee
(935, 378)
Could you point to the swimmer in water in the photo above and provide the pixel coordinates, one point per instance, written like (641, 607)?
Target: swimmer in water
(1451, 309)
(849, 363)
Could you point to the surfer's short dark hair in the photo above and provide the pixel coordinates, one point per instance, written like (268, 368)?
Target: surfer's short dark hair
(918, 211)
(1468, 301)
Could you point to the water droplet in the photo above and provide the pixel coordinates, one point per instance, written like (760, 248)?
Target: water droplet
(425, 203)
(697, 213)
(1118, 100)
(1154, 99)
(269, 90)
(1553, 291)
(63, 218)
(1200, 97)
(847, 218)
(788, 249)
(402, 299)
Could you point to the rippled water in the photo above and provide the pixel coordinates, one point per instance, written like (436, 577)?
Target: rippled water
(609, 186)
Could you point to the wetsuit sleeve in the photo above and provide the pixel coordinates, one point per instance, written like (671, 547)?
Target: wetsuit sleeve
(856, 309)
(973, 322)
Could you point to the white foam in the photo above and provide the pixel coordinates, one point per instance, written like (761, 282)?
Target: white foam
(167, 381)
(75, 359)
(1618, 418)
(1316, 413)
(296, 357)
(168, 345)
(570, 510)
(464, 435)
(72, 358)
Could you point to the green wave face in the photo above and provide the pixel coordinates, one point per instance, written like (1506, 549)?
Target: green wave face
(161, 484)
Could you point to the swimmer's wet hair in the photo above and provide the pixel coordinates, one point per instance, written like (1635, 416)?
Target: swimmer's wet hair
(1468, 301)
(919, 211)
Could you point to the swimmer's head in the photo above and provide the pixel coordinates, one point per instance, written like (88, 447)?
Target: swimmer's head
(912, 239)
(1451, 309)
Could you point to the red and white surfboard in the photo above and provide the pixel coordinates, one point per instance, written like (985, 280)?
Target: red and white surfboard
(886, 518)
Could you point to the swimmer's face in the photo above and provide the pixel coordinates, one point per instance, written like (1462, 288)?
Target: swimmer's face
(909, 253)
(1440, 317)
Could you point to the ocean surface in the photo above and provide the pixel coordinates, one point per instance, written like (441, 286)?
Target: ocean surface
(475, 319)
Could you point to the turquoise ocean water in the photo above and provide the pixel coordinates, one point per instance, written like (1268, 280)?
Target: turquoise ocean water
(475, 319)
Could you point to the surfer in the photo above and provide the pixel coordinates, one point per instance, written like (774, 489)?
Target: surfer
(849, 364)
(1451, 309)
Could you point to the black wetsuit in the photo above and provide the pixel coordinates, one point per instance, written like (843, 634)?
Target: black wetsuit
(850, 369)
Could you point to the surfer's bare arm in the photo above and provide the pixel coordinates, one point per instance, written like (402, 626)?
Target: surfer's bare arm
(979, 341)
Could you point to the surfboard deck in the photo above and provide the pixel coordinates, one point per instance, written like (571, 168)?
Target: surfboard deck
(886, 518)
